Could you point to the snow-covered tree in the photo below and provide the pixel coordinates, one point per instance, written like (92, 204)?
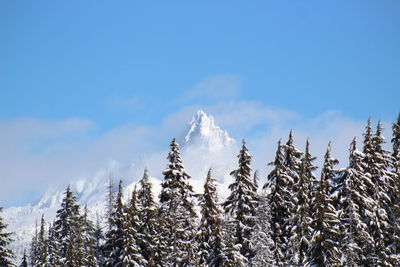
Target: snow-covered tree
(6, 254)
(282, 188)
(209, 236)
(41, 245)
(147, 218)
(177, 215)
(380, 181)
(66, 227)
(89, 240)
(24, 262)
(301, 226)
(396, 200)
(115, 236)
(242, 203)
(261, 237)
(354, 206)
(53, 249)
(131, 254)
(99, 239)
(326, 237)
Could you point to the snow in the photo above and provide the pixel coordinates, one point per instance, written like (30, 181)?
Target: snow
(205, 145)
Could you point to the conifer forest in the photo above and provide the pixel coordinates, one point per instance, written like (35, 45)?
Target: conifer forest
(300, 216)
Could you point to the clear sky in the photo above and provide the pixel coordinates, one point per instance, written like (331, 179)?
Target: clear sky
(112, 63)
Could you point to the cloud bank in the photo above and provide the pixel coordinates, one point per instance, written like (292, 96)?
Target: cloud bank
(36, 154)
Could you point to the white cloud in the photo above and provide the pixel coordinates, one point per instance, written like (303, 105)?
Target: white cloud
(215, 87)
(38, 153)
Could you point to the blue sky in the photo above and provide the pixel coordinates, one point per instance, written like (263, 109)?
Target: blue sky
(102, 65)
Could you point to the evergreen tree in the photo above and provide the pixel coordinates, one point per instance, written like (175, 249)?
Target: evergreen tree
(131, 254)
(261, 237)
(325, 248)
(396, 199)
(110, 201)
(6, 254)
(53, 249)
(177, 214)
(33, 246)
(301, 227)
(115, 236)
(89, 241)
(377, 163)
(354, 206)
(279, 200)
(212, 249)
(242, 203)
(66, 226)
(148, 227)
(24, 262)
(99, 239)
(41, 245)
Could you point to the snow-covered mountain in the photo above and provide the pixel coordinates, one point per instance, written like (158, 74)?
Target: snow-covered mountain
(202, 131)
(204, 145)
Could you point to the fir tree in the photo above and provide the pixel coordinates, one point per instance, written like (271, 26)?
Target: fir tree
(261, 238)
(377, 162)
(242, 203)
(131, 254)
(99, 239)
(110, 201)
(147, 218)
(115, 236)
(325, 248)
(89, 241)
(354, 206)
(212, 249)
(41, 245)
(24, 262)
(395, 206)
(6, 254)
(53, 249)
(280, 200)
(66, 225)
(301, 227)
(177, 224)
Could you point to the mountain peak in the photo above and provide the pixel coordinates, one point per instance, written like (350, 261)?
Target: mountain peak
(202, 129)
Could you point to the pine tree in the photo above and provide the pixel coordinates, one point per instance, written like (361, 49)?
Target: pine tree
(261, 237)
(53, 249)
(66, 225)
(131, 254)
(148, 227)
(89, 241)
(377, 164)
(33, 246)
(301, 226)
(115, 236)
(242, 203)
(279, 200)
(395, 206)
(99, 239)
(110, 201)
(325, 246)
(24, 262)
(41, 245)
(212, 249)
(177, 214)
(354, 206)
(6, 254)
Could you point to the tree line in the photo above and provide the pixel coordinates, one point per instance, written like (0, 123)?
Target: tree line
(343, 217)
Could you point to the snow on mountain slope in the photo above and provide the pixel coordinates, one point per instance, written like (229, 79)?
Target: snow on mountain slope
(203, 132)
(204, 145)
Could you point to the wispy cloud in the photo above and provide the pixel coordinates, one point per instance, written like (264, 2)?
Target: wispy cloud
(38, 153)
(221, 87)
